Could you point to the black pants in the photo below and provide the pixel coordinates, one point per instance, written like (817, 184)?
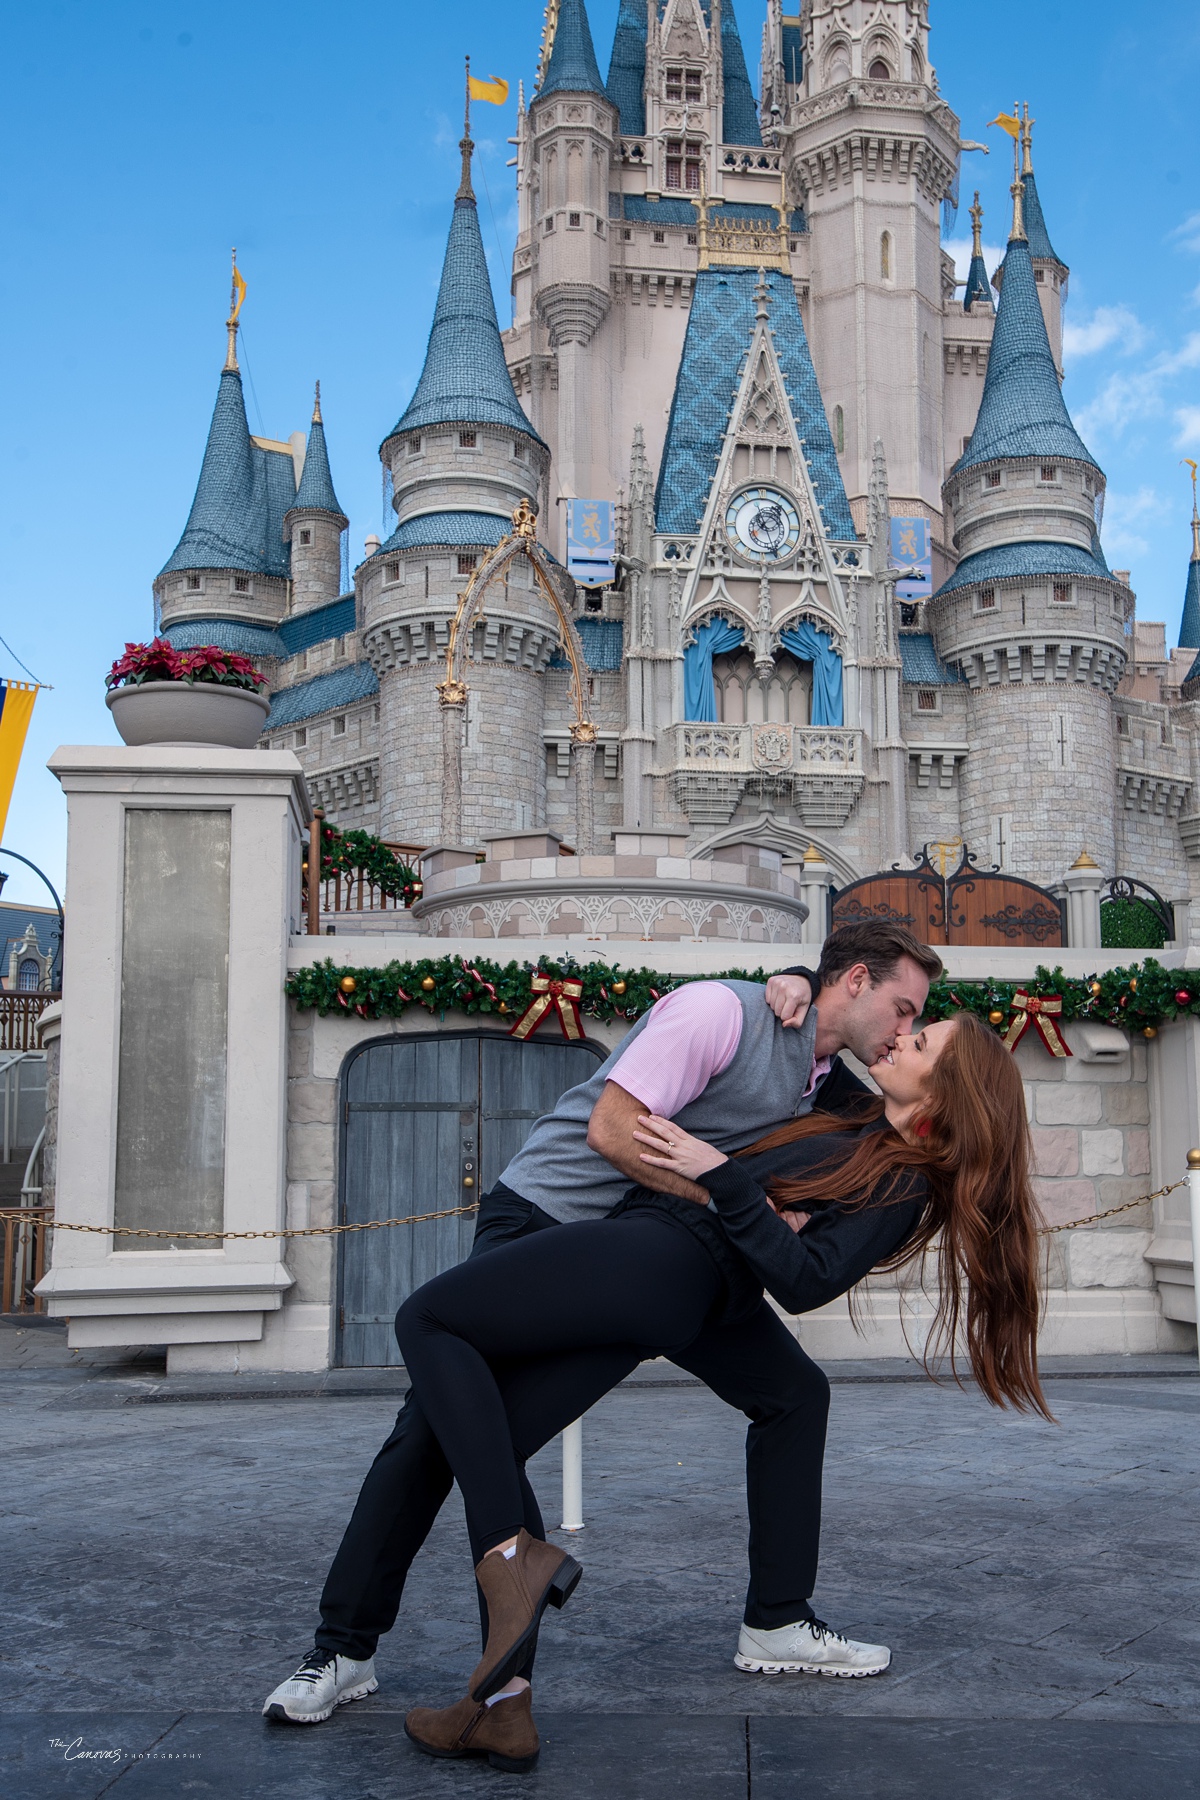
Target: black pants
(756, 1366)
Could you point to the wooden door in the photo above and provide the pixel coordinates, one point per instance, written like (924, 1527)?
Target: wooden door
(421, 1116)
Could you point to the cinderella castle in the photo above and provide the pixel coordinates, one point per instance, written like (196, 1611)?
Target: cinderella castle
(850, 597)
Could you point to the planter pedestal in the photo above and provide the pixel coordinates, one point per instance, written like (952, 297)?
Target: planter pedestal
(182, 713)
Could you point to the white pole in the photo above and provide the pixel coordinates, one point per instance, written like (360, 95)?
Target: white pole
(1193, 1163)
(572, 1471)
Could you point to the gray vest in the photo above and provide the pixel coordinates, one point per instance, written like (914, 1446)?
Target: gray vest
(763, 1084)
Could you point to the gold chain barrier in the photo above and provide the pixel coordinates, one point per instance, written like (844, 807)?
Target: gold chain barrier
(33, 1215)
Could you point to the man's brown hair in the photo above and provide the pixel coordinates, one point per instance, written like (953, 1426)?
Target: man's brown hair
(880, 945)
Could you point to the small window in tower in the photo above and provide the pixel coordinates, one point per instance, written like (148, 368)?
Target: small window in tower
(879, 70)
(300, 739)
(1049, 472)
(414, 446)
(674, 162)
(1039, 275)
(302, 661)
(391, 571)
(839, 430)
(193, 582)
(519, 450)
(574, 218)
(660, 237)
(926, 699)
(466, 440)
(599, 227)
(305, 535)
(885, 256)
(1062, 593)
(241, 584)
(29, 976)
(691, 237)
(992, 478)
(674, 84)
(627, 235)
(427, 581)
(987, 599)
(1122, 724)
(549, 224)
(339, 725)
(691, 84)
(692, 166)
(466, 563)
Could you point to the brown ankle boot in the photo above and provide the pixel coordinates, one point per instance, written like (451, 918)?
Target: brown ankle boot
(505, 1733)
(517, 1590)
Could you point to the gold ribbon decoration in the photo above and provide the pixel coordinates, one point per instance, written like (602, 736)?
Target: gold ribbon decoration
(1041, 1011)
(548, 993)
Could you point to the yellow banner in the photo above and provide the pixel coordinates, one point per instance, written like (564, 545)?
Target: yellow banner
(239, 293)
(16, 710)
(1007, 123)
(494, 89)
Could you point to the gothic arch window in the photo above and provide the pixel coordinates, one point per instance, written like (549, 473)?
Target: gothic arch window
(837, 64)
(839, 430)
(879, 70)
(29, 976)
(885, 256)
(740, 695)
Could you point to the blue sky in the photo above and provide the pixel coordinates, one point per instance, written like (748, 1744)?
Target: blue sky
(142, 140)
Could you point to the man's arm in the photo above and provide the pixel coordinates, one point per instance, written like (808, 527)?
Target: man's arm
(610, 1131)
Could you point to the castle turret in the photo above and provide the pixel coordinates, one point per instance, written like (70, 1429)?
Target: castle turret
(314, 524)
(573, 129)
(979, 288)
(461, 457)
(1031, 616)
(1049, 270)
(1189, 624)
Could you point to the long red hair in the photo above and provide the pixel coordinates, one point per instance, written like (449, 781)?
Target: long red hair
(980, 1211)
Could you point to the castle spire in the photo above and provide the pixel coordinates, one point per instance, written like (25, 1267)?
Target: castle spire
(237, 293)
(315, 493)
(626, 86)
(226, 525)
(1022, 411)
(1017, 234)
(465, 379)
(572, 68)
(465, 190)
(978, 286)
(739, 116)
(1189, 625)
(1040, 247)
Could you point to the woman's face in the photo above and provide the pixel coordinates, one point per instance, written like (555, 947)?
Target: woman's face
(903, 1072)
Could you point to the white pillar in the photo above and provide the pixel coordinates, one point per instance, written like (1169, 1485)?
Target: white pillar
(183, 887)
(814, 889)
(1083, 882)
(572, 1477)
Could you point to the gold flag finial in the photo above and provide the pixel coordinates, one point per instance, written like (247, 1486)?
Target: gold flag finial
(1195, 515)
(976, 227)
(316, 418)
(237, 293)
(465, 190)
(1018, 186)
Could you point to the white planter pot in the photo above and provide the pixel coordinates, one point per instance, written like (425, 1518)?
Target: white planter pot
(180, 712)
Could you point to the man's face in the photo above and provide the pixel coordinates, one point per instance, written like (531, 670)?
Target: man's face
(875, 1012)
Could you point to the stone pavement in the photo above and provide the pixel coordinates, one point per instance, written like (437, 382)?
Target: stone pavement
(1038, 1585)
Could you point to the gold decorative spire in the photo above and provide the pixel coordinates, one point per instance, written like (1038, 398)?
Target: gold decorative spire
(316, 418)
(1192, 465)
(1084, 861)
(237, 293)
(465, 190)
(976, 227)
(1018, 187)
(1027, 125)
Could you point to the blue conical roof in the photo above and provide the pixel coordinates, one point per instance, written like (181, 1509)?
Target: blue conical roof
(226, 526)
(721, 323)
(1189, 625)
(739, 122)
(1035, 223)
(978, 285)
(315, 493)
(573, 68)
(1022, 412)
(465, 379)
(626, 86)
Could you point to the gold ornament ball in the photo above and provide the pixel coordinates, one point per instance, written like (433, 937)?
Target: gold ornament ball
(428, 984)
(347, 984)
(1095, 988)
(503, 1006)
(1150, 1031)
(1133, 985)
(618, 987)
(995, 1017)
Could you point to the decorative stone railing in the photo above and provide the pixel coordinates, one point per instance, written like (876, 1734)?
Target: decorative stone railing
(819, 767)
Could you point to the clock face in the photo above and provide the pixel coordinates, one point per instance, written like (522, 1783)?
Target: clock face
(762, 522)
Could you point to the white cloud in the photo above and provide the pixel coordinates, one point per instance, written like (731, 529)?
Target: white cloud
(1107, 325)
(1122, 512)
(960, 250)
(1188, 234)
(1187, 422)
(1125, 399)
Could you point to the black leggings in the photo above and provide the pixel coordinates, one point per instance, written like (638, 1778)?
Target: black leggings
(637, 1281)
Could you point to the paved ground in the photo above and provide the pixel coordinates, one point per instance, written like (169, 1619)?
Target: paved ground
(1038, 1584)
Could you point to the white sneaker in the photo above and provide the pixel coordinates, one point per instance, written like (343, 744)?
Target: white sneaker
(809, 1647)
(323, 1681)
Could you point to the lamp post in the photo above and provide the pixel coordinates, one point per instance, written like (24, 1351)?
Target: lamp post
(42, 876)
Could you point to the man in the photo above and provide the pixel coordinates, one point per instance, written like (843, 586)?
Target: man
(729, 1063)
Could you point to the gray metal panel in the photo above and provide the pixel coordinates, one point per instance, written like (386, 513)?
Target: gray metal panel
(419, 1115)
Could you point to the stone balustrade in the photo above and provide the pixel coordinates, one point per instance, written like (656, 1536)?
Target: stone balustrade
(712, 766)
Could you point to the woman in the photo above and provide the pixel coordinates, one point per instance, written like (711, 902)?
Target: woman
(943, 1156)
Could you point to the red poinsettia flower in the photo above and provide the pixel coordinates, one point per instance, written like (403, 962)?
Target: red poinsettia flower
(160, 661)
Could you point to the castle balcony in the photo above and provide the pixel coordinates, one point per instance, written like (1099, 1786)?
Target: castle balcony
(530, 885)
(818, 768)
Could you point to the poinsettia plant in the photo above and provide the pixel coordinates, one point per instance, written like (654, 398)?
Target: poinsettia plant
(160, 661)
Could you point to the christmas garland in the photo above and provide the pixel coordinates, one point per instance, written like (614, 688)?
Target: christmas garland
(347, 852)
(1139, 998)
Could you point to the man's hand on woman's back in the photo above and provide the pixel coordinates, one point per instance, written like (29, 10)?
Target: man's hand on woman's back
(789, 998)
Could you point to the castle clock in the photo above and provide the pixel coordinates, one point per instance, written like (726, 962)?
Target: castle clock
(762, 522)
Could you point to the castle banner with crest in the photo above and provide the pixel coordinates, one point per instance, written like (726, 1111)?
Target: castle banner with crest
(591, 541)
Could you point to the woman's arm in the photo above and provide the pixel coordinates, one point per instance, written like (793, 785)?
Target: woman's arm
(806, 1269)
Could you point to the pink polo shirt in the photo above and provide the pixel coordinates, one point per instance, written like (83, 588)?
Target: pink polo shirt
(691, 1036)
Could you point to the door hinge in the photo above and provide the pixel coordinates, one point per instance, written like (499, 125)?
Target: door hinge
(341, 1318)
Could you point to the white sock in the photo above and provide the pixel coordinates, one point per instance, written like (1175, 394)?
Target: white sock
(504, 1696)
(509, 1553)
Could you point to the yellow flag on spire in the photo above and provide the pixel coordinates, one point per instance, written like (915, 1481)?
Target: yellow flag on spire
(16, 710)
(238, 295)
(493, 89)
(1007, 123)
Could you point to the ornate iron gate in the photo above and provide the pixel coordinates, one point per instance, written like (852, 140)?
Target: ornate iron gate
(428, 1123)
(968, 906)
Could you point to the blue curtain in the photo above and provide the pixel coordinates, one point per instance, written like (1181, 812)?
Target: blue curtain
(699, 698)
(810, 645)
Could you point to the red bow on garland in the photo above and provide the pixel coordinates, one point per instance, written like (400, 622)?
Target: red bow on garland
(563, 996)
(1030, 1009)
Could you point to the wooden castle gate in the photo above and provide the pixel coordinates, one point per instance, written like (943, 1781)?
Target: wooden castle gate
(966, 906)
